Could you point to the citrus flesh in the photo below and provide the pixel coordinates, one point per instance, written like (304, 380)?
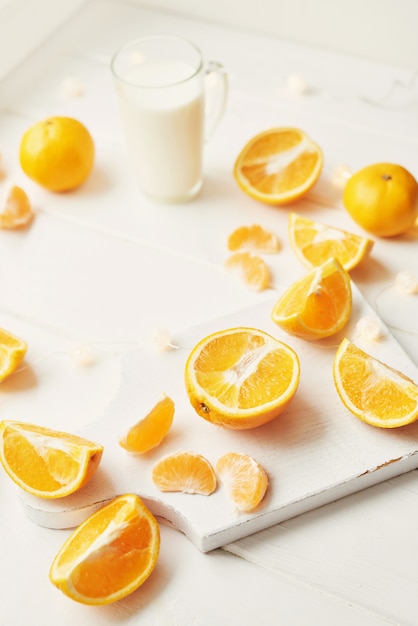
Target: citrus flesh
(16, 211)
(383, 199)
(314, 243)
(45, 462)
(244, 479)
(249, 268)
(241, 377)
(374, 391)
(110, 554)
(317, 305)
(12, 353)
(57, 153)
(150, 431)
(187, 472)
(278, 166)
(253, 238)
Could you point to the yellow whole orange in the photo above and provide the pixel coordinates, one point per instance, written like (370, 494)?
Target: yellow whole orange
(57, 153)
(383, 199)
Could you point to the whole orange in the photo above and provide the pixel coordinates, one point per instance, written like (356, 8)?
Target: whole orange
(57, 153)
(383, 199)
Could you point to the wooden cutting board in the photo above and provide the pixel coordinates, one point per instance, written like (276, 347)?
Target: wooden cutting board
(314, 453)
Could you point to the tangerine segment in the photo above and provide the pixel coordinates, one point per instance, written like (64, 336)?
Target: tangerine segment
(314, 243)
(373, 391)
(278, 166)
(149, 432)
(255, 238)
(244, 479)
(110, 554)
(241, 377)
(249, 268)
(16, 211)
(188, 472)
(44, 462)
(317, 305)
(12, 353)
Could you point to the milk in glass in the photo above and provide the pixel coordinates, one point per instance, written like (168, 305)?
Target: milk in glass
(163, 123)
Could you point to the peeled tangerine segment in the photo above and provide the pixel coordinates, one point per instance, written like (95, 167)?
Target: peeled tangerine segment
(245, 480)
(150, 431)
(15, 210)
(187, 472)
(254, 238)
(372, 390)
(250, 268)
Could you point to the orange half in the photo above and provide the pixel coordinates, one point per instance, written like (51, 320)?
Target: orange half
(278, 166)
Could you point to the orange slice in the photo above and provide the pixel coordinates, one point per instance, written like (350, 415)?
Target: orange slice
(16, 210)
(12, 353)
(244, 479)
(149, 432)
(254, 238)
(185, 471)
(110, 554)
(251, 269)
(317, 305)
(278, 166)
(44, 462)
(314, 243)
(241, 377)
(374, 391)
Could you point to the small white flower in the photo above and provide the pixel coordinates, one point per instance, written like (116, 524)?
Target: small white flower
(369, 328)
(407, 282)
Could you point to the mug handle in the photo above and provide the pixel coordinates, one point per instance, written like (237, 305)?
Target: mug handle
(216, 94)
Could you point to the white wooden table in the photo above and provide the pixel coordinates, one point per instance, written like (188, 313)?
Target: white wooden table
(103, 268)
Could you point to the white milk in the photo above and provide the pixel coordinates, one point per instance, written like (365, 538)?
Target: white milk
(164, 128)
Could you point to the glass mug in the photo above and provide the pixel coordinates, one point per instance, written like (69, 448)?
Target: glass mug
(170, 102)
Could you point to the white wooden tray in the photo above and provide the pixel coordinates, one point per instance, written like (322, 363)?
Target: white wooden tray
(314, 453)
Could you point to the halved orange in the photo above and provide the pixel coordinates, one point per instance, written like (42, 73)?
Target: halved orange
(110, 554)
(241, 377)
(149, 432)
(254, 238)
(16, 210)
(12, 353)
(245, 480)
(278, 166)
(188, 472)
(314, 243)
(317, 305)
(375, 392)
(44, 462)
(250, 268)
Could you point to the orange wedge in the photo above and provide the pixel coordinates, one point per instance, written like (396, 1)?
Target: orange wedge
(317, 305)
(278, 166)
(314, 243)
(149, 432)
(244, 479)
(254, 238)
(188, 472)
(44, 462)
(251, 269)
(110, 554)
(241, 377)
(16, 210)
(374, 391)
(12, 353)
